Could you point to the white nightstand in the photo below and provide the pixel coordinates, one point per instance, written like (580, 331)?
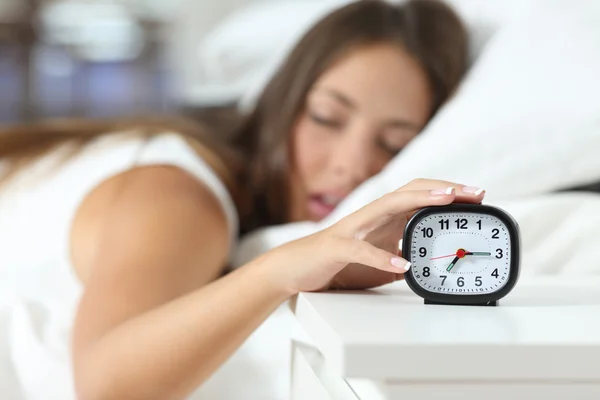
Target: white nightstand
(541, 342)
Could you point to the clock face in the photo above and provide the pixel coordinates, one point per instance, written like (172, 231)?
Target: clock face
(461, 253)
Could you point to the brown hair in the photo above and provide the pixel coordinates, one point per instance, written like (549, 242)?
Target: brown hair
(258, 150)
(23, 143)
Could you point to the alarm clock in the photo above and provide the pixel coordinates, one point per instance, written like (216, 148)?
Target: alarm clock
(462, 254)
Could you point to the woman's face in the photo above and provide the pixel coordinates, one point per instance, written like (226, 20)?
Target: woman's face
(359, 114)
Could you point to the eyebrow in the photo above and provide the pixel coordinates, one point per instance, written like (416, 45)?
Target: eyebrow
(340, 97)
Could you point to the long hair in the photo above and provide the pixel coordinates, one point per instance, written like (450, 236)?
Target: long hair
(257, 150)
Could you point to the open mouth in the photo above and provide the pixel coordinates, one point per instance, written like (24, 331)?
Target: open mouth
(321, 205)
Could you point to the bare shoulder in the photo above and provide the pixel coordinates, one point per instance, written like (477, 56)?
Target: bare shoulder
(144, 206)
(140, 240)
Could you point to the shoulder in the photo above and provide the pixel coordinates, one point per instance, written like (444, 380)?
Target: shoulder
(162, 206)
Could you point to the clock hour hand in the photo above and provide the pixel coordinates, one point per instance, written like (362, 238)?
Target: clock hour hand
(453, 263)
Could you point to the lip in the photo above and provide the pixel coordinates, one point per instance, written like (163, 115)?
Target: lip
(318, 208)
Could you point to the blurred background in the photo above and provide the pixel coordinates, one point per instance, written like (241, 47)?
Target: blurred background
(98, 58)
(82, 58)
(105, 58)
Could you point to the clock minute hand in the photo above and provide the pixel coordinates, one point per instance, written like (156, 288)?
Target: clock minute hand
(478, 253)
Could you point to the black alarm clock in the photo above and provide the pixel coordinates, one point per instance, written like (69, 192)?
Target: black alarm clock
(462, 254)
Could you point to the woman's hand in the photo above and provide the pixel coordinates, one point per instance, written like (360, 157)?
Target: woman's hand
(361, 250)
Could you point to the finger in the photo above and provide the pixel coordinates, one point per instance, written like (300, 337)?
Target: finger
(469, 194)
(380, 211)
(399, 276)
(361, 252)
(464, 193)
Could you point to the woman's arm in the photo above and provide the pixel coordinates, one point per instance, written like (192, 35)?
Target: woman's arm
(146, 327)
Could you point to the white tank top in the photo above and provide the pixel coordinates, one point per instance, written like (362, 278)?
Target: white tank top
(39, 290)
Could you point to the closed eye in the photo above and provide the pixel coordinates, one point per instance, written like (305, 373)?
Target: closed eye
(330, 123)
(392, 150)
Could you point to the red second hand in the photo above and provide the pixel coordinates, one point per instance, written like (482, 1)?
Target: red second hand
(449, 255)
(460, 253)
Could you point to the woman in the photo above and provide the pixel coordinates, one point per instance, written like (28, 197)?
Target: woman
(144, 233)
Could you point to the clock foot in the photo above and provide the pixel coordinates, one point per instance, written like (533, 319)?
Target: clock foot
(489, 303)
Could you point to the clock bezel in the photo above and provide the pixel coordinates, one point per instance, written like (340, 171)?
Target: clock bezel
(464, 299)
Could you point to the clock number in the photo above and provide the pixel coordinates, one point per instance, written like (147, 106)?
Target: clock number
(478, 281)
(422, 251)
(461, 223)
(495, 273)
(426, 272)
(499, 253)
(479, 224)
(460, 281)
(443, 278)
(427, 232)
(495, 232)
(445, 224)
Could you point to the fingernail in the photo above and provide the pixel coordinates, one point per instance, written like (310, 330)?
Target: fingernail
(472, 190)
(400, 244)
(442, 192)
(400, 263)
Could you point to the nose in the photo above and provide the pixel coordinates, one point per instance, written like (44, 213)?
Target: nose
(351, 158)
